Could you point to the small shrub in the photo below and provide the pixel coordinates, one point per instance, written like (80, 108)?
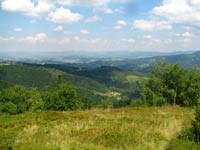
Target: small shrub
(106, 103)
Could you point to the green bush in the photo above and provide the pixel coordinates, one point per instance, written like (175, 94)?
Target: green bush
(137, 103)
(61, 97)
(196, 125)
(106, 103)
(8, 107)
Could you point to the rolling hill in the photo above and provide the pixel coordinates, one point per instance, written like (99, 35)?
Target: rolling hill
(92, 84)
(38, 76)
(121, 81)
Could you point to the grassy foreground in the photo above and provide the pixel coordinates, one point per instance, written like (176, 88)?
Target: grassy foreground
(145, 128)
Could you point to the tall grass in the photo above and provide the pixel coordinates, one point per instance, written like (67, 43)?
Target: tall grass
(142, 128)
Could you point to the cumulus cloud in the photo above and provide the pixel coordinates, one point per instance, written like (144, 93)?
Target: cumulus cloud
(39, 37)
(150, 25)
(18, 29)
(58, 28)
(84, 31)
(40, 8)
(148, 37)
(179, 11)
(83, 2)
(93, 19)
(27, 7)
(17, 6)
(185, 34)
(121, 22)
(62, 15)
(119, 25)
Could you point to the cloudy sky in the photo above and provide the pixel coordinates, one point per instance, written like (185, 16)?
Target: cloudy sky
(99, 25)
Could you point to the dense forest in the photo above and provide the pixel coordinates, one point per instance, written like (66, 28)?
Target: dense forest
(59, 87)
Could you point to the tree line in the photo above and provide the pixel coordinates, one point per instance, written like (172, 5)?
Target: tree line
(172, 84)
(61, 96)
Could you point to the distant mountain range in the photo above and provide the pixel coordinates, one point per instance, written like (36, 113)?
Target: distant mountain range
(141, 62)
(144, 65)
(80, 57)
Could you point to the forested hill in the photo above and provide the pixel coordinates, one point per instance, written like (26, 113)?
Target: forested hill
(39, 76)
(145, 65)
(90, 83)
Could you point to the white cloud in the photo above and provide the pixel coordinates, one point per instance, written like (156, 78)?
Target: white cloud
(64, 41)
(160, 42)
(86, 40)
(39, 37)
(129, 40)
(187, 40)
(67, 32)
(17, 6)
(144, 25)
(104, 9)
(179, 11)
(93, 19)
(28, 7)
(87, 3)
(186, 34)
(150, 25)
(77, 38)
(119, 10)
(119, 25)
(62, 15)
(18, 29)
(6, 38)
(184, 42)
(40, 8)
(58, 28)
(84, 31)
(148, 37)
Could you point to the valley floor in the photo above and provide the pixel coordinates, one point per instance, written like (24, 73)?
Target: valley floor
(140, 128)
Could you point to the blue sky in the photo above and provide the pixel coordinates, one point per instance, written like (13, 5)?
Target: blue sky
(94, 25)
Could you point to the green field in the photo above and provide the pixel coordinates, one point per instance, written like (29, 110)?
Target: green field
(134, 78)
(142, 128)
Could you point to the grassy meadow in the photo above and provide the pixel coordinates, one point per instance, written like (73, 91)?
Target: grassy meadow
(139, 128)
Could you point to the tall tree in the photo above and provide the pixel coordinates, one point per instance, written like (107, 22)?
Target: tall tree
(170, 83)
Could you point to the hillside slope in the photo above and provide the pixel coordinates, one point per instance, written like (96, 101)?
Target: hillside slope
(93, 84)
(145, 128)
(38, 76)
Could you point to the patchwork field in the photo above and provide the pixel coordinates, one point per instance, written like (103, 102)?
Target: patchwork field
(142, 128)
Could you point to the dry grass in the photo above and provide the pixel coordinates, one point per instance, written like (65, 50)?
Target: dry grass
(144, 128)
